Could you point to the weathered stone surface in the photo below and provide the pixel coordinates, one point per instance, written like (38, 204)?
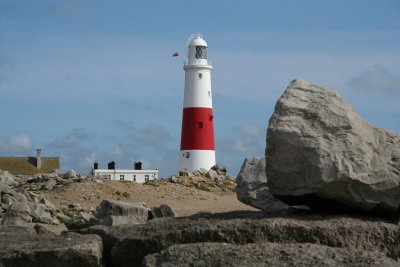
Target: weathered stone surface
(252, 188)
(7, 178)
(173, 179)
(215, 179)
(81, 220)
(23, 246)
(212, 174)
(162, 211)
(156, 235)
(133, 213)
(70, 174)
(20, 210)
(21, 207)
(264, 254)
(322, 154)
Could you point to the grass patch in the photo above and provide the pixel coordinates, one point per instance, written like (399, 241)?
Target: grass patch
(152, 182)
(202, 187)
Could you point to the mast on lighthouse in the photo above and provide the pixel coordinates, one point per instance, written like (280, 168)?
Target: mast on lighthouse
(197, 137)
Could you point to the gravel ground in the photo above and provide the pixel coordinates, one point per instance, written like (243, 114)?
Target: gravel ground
(183, 199)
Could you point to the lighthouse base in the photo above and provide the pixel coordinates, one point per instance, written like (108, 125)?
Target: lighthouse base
(197, 159)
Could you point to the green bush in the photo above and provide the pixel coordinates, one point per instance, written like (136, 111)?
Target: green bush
(151, 182)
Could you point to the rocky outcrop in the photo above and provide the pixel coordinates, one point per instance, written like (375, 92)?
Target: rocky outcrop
(215, 179)
(322, 154)
(20, 207)
(113, 213)
(23, 246)
(7, 179)
(110, 212)
(264, 254)
(252, 188)
(340, 232)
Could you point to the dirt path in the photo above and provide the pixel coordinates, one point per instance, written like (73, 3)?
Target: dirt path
(184, 200)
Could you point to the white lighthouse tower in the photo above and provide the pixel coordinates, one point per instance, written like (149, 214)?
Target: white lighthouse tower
(197, 138)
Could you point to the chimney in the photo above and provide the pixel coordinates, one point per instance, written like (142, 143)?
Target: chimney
(138, 165)
(111, 165)
(38, 159)
(95, 165)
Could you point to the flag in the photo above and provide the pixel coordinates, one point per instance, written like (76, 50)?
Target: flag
(176, 54)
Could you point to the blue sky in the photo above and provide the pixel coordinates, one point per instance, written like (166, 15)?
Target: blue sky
(94, 80)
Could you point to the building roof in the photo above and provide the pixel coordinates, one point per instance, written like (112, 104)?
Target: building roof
(27, 165)
(197, 40)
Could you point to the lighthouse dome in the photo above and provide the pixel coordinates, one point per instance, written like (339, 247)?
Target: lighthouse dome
(197, 40)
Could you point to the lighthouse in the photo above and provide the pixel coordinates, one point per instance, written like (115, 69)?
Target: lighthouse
(197, 137)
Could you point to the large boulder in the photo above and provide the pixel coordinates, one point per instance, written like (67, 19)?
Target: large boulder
(113, 213)
(322, 154)
(162, 211)
(126, 245)
(264, 254)
(28, 246)
(252, 188)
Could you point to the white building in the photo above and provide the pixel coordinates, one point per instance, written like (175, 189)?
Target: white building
(136, 175)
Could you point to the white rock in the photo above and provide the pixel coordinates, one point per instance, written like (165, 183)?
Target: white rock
(322, 154)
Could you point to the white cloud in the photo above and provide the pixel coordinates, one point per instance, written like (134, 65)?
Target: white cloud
(154, 135)
(72, 139)
(377, 79)
(16, 144)
(250, 131)
(117, 152)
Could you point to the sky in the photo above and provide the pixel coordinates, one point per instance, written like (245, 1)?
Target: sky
(89, 80)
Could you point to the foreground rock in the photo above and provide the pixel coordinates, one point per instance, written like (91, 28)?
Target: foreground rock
(252, 188)
(116, 213)
(113, 213)
(322, 154)
(20, 207)
(352, 234)
(264, 254)
(23, 246)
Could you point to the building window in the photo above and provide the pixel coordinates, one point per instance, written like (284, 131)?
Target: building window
(201, 52)
(108, 176)
(187, 155)
(122, 177)
(200, 75)
(134, 177)
(200, 123)
(146, 178)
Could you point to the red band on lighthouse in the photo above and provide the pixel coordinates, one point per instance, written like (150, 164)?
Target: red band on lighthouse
(197, 129)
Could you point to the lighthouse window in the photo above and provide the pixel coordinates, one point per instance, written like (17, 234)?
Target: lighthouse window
(200, 75)
(187, 155)
(200, 124)
(201, 52)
